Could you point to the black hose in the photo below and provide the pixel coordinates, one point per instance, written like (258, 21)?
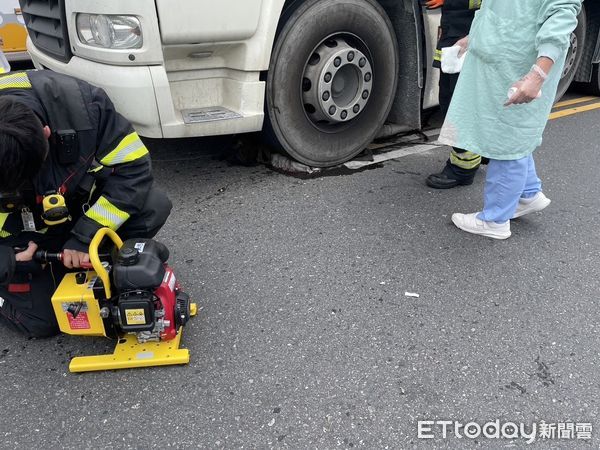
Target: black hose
(44, 257)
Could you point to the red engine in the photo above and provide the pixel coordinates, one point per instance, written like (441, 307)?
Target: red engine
(150, 302)
(175, 305)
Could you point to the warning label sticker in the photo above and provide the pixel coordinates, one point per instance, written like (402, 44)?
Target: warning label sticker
(77, 315)
(135, 317)
(81, 322)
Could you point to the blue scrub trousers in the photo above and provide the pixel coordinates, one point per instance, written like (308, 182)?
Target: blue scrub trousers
(505, 183)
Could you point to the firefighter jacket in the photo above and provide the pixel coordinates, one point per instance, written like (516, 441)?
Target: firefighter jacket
(96, 161)
(457, 16)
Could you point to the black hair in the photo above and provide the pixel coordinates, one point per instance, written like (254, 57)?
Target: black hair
(23, 146)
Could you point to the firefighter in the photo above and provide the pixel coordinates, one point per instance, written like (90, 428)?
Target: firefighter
(457, 16)
(69, 165)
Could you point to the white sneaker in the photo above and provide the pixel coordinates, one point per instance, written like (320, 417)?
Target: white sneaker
(471, 224)
(530, 205)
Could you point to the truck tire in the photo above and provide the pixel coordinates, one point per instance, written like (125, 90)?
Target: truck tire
(574, 55)
(332, 79)
(593, 87)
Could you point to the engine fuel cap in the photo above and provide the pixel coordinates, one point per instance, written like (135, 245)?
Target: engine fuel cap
(129, 256)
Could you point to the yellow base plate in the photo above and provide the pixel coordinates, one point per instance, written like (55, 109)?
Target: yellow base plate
(130, 354)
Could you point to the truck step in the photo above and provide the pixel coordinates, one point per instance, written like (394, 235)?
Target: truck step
(210, 114)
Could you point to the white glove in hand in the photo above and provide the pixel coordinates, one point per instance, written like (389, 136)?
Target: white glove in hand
(527, 88)
(451, 61)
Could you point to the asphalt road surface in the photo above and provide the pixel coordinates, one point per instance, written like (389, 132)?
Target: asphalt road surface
(305, 337)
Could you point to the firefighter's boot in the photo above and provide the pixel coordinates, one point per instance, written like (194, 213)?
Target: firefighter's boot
(460, 170)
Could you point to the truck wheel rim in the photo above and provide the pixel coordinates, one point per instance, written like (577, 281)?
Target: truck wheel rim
(336, 84)
(571, 56)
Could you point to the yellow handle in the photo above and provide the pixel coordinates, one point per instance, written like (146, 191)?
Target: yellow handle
(95, 259)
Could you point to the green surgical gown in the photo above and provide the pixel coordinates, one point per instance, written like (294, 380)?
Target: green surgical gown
(506, 38)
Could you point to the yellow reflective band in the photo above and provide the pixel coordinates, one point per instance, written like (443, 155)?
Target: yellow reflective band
(107, 214)
(438, 55)
(15, 81)
(466, 160)
(2, 70)
(466, 155)
(3, 217)
(474, 4)
(128, 150)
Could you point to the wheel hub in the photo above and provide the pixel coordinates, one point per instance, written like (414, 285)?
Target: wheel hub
(337, 83)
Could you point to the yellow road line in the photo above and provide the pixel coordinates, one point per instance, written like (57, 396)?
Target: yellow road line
(574, 101)
(577, 110)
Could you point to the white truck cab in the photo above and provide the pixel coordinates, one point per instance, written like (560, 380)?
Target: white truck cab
(320, 78)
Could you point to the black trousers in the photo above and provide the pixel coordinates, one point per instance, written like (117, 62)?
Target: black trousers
(447, 86)
(25, 304)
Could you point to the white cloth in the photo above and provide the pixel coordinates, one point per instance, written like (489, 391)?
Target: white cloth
(451, 63)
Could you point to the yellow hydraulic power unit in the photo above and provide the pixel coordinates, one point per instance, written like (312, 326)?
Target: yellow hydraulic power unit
(13, 33)
(142, 305)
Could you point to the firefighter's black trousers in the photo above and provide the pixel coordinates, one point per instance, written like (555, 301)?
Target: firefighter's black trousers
(29, 310)
(462, 164)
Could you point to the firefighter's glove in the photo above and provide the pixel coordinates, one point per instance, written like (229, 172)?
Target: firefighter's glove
(433, 4)
(528, 88)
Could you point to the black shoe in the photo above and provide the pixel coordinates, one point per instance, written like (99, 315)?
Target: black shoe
(484, 161)
(443, 181)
